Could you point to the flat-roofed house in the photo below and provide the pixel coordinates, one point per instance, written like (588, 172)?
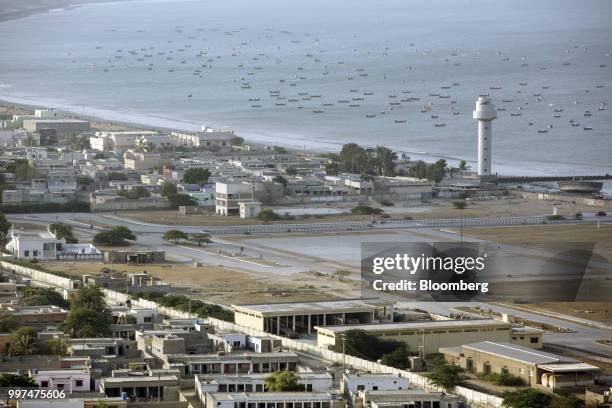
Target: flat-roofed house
(425, 336)
(232, 363)
(281, 318)
(412, 398)
(274, 399)
(534, 367)
(207, 383)
(68, 379)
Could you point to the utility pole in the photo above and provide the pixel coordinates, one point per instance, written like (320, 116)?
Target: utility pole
(343, 352)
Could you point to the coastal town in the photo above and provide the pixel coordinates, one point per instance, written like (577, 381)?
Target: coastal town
(164, 268)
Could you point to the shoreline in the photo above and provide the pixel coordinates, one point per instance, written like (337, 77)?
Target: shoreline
(108, 120)
(45, 7)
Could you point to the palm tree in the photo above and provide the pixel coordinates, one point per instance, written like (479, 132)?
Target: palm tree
(460, 205)
(463, 165)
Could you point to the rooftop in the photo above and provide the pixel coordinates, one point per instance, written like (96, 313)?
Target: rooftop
(418, 325)
(517, 353)
(332, 306)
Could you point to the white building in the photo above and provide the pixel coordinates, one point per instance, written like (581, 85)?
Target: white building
(249, 209)
(118, 142)
(44, 245)
(229, 195)
(70, 380)
(47, 114)
(353, 382)
(215, 139)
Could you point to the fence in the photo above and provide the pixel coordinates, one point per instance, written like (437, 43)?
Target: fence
(476, 398)
(40, 276)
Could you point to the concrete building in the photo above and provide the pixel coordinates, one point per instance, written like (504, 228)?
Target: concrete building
(353, 382)
(48, 114)
(134, 160)
(534, 367)
(249, 209)
(485, 112)
(44, 245)
(427, 336)
(406, 399)
(118, 142)
(213, 139)
(229, 195)
(274, 399)
(70, 380)
(528, 337)
(149, 386)
(211, 383)
(281, 318)
(40, 317)
(63, 127)
(232, 363)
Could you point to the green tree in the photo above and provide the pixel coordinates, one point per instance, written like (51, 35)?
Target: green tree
(398, 358)
(353, 159)
(134, 193)
(88, 297)
(268, 215)
(291, 171)
(167, 189)
(5, 228)
(196, 175)
(366, 210)
(35, 296)
(332, 168)
(55, 347)
(527, 398)
(360, 344)
(200, 238)
(23, 341)
(283, 381)
(63, 231)
(446, 375)
(179, 200)
(174, 235)
(384, 161)
(237, 141)
(280, 179)
(8, 323)
(116, 236)
(463, 165)
(82, 323)
(279, 150)
(16, 381)
(116, 176)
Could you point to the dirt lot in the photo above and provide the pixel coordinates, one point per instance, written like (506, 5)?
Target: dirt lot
(547, 234)
(218, 284)
(596, 311)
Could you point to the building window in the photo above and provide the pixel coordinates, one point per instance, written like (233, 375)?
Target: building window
(35, 253)
(26, 253)
(44, 384)
(534, 340)
(79, 383)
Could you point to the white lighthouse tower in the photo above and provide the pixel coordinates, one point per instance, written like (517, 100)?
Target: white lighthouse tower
(484, 113)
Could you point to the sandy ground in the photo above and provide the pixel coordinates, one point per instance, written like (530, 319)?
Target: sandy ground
(547, 234)
(222, 285)
(596, 311)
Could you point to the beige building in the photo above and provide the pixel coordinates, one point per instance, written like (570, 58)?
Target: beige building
(427, 337)
(133, 160)
(528, 337)
(534, 367)
(286, 318)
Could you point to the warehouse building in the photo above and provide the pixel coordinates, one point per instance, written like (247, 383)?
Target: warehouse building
(426, 337)
(534, 367)
(302, 317)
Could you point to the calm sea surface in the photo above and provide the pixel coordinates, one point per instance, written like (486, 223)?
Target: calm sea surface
(318, 74)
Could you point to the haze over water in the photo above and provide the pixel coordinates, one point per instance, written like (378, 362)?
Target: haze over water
(192, 62)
